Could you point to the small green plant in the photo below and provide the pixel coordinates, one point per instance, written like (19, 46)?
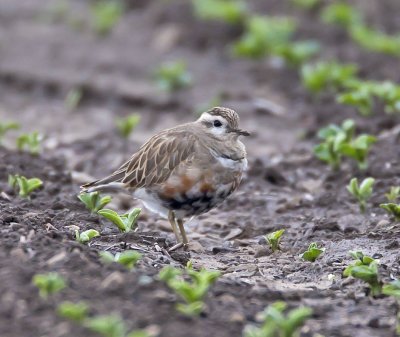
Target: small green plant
(48, 284)
(374, 40)
(263, 35)
(128, 258)
(312, 253)
(192, 292)
(7, 126)
(275, 323)
(341, 14)
(93, 201)
(126, 125)
(340, 141)
(73, 311)
(125, 222)
(73, 98)
(230, 11)
(30, 141)
(173, 76)
(306, 4)
(111, 326)
(392, 209)
(362, 95)
(392, 288)
(24, 185)
(86, 236)
(105, 15)
(361, 192)
(393, 194)
(331, 76)
(365, 268)
(274, 239)
(296, 53)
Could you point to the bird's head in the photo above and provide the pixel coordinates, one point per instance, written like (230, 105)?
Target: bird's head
(222, 122)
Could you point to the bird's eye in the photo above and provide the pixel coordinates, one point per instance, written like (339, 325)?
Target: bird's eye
(217, 123)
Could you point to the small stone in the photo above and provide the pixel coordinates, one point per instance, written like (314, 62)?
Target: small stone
(382, 224)
(114, 280)
(237, 317)
(56, 258)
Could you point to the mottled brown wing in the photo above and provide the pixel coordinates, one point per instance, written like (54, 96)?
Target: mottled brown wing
(156, 159)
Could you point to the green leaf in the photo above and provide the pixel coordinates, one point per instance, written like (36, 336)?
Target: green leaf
(392, 289)
(30, 141)
(105, 15)
(73, 311)
(115, 218)
(341, 14)
(106, 325)
(273, 239)
(128, 258)
(191, 309)
(173, 76)
(7, 126)
(312, 253)
(127, 125)
(93, 202)
(107, 257)
(48, 284)
(233, 11)
(86, 236)
(392, 209)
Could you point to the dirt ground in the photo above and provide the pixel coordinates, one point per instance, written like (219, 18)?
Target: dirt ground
(285, 187)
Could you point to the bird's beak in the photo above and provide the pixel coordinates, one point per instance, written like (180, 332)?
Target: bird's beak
(240, 132)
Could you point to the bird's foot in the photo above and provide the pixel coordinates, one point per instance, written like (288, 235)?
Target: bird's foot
(175, 247)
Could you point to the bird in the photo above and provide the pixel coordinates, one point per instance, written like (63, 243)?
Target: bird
(184, 171)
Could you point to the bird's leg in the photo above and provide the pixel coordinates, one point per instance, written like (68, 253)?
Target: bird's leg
(183, 233)
(172, 221)
(171, 218)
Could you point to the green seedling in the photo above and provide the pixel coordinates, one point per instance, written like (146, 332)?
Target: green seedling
(111, 326)
(340, 141)
(73, 98)
(312, 253)
(48, 284)
(362, 94)
(274, 239)
(392, 289)
(128, 258)
(365, 268)
(86, 236)
(331, 76)
(93, 201)
(105, 15)
(297, 53)
(73, 311)
(229, 11)
(125, 222)
(341, 14)
(193, 291)
(392, 209)
(263, 36)
(275, 323)
(333, 136)
(30, 141)
(7, 126)
(393, 194)
(361, 192)
(306, 4)
(375, 40)
(173, 76)
(24, 185)
(126, 125)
